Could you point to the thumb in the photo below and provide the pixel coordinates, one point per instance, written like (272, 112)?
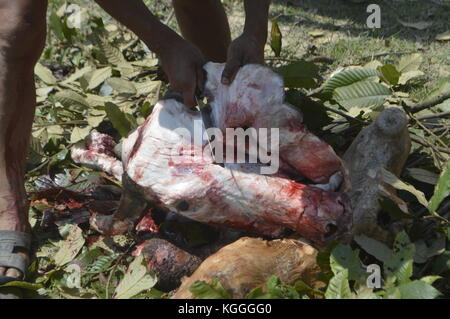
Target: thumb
(229, 72)
(188, 96)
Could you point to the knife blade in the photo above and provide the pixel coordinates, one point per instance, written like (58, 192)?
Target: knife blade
(205, 112)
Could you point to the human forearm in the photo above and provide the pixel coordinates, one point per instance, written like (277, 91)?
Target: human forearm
(135, 15)
(257, 15)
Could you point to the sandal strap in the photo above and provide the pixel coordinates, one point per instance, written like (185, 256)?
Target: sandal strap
(14, 261)
(9, 241)
(14, 238)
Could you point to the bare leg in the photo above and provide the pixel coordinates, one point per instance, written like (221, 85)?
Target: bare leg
(22, 37)
(204, 23)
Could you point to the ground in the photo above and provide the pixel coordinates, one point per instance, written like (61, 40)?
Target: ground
(96, 75)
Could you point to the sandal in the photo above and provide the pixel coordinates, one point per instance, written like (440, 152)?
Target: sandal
(9, 258)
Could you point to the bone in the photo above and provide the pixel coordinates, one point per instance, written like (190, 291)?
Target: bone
(98, 152)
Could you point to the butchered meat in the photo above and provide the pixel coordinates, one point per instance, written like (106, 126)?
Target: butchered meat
(177, 174)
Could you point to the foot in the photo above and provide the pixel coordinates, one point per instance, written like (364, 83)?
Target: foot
(11, 219)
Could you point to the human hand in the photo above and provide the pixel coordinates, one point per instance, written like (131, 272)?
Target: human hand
(246, 49)
(183, 64)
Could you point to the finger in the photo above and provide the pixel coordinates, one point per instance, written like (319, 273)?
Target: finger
(201, 79)
(2, 271)
(188, 95)
(231, 68)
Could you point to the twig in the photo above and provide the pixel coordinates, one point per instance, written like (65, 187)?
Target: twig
(281, 59)
(307, 99)
(348, 117)
(434, 116)
(172, 12)
(426, 144)
(430, 103)
(314, 59)
(428, 131)
(387, 53)
(81, 122)
(320, 59)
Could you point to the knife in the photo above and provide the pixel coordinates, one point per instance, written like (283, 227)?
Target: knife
(205, 112)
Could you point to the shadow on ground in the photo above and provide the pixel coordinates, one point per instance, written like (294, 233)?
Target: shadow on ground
(330, 14)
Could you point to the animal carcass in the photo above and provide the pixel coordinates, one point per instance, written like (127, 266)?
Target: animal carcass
(165, 165)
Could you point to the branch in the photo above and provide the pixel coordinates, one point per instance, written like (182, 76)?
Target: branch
(430, 103)
(434, 116)
(387, 53)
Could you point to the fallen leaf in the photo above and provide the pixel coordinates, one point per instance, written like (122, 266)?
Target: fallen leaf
(443, 36)
(135, 281)
(394, 181)
(70, 247)
(421, 25)
(405, 77)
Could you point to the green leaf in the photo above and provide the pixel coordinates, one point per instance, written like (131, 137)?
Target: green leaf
(343, 257)
(23, 285)
(112, 54)
(430, 279)
(373, 247)
(410, 63)
(348, 77)
(122, 86)
(58, 157)
(393, 293)
(278, 290)
(399, 267)
(406, 77)
(147, 87)
(425, 250)
(55, 24)
(70, 98)
(389, 74)
(299, 74)
(257, 293)
(363, 94)
(315, 115)
(442, 189)
(44, 74)
(135, 281)
(441, 264)
(302, 288)
(70, 247)
(94, 78)
(79, 133)
(418, 289)
(77, 75)
(338, 287)
(203, 290)
(276, 38)
(423, 175)
(394, 181)
(118, 119)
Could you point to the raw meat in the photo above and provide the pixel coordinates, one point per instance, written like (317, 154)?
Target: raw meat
(175, 173)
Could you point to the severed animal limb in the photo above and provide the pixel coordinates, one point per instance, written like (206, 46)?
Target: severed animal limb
(383, 144)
